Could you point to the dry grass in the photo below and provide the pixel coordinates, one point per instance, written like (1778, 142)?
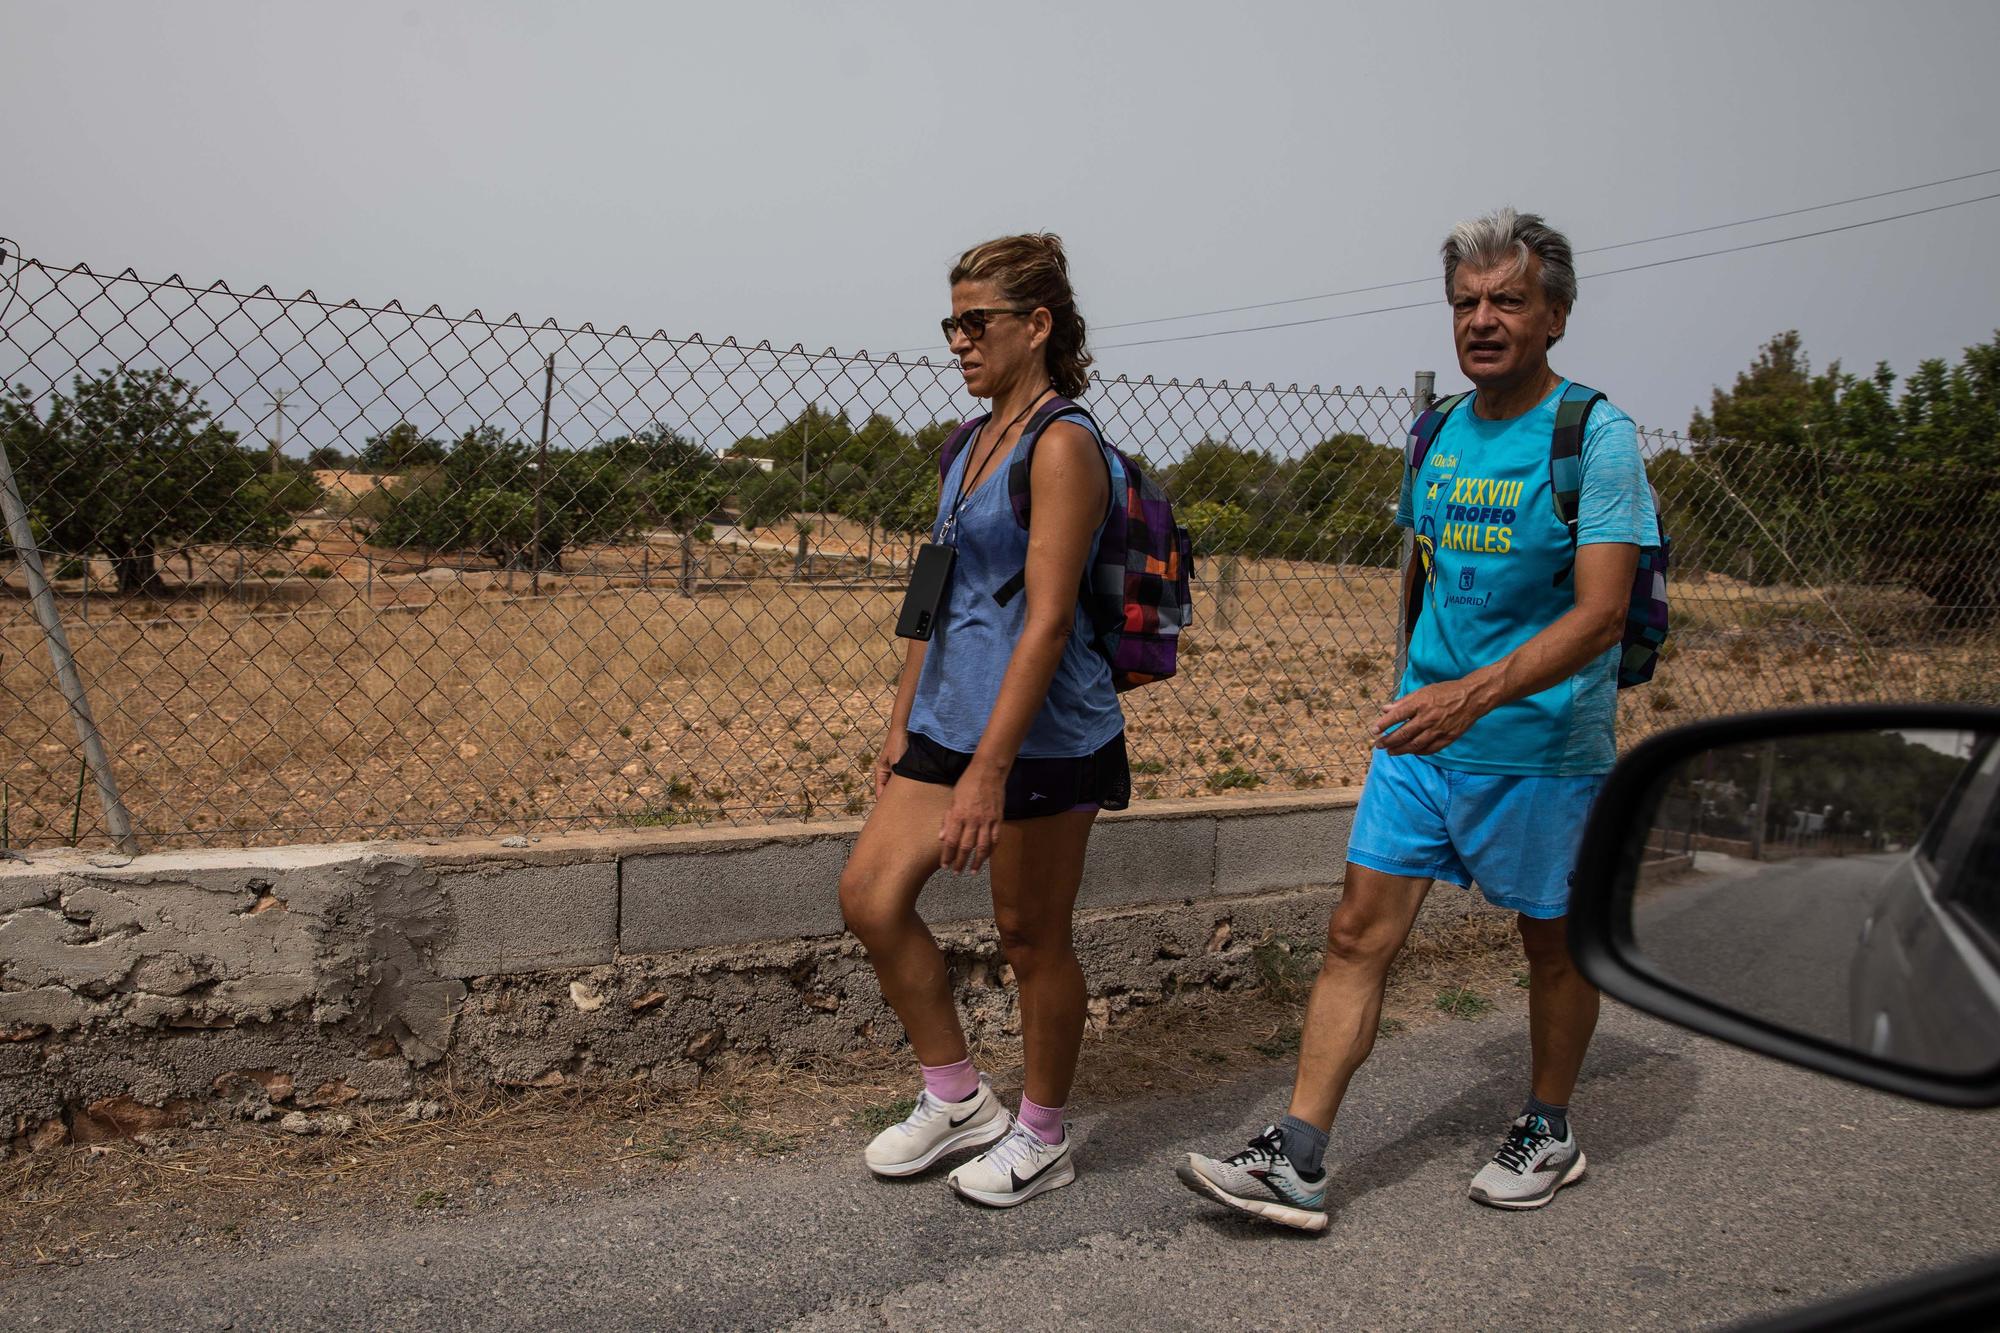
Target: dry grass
(452, 702)
(494, 1148)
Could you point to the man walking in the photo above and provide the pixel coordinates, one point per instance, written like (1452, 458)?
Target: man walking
(1486, 764)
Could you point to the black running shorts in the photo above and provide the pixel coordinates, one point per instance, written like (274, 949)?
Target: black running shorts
(1035, 787)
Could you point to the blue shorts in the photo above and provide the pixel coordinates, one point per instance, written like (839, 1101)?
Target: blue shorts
(1515, 837)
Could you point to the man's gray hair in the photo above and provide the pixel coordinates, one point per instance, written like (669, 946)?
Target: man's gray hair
(1508, 238)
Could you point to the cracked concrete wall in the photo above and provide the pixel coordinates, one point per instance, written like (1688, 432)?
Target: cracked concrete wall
(139, 992)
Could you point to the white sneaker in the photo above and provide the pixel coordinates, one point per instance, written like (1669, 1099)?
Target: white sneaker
(1529, 1167)
(1015, 1171)
(936, 1128)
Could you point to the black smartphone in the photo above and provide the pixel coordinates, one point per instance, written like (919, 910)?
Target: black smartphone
(925, 598)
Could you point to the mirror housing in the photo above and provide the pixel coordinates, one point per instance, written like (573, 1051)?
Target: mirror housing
(1601, 936)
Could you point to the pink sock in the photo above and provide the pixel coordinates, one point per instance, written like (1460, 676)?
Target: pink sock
(1044, 1122)
(951, 1083)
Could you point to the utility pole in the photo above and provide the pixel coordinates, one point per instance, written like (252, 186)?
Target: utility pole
(1765, 766)
(278, 397)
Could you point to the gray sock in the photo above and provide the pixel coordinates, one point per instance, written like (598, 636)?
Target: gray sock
(1304, 1145)
(1557, 1116)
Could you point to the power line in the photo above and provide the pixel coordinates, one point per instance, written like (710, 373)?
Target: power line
(1594, 250)
(1605, 273)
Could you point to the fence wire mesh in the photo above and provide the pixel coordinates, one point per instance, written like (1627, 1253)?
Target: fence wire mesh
(333, 571)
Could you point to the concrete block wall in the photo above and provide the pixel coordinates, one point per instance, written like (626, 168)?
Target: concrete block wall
(177, 979)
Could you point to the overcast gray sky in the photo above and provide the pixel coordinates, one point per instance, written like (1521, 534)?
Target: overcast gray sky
(806, 172)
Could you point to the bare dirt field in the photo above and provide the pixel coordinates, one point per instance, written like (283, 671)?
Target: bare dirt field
(335, 692)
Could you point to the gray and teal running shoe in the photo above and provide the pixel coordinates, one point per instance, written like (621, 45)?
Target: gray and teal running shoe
(1530, 1166)
(1260, 1181)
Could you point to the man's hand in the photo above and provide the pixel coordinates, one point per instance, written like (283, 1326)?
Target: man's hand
(1432, 717)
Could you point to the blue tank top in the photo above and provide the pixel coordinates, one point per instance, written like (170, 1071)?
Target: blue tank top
(975, 635)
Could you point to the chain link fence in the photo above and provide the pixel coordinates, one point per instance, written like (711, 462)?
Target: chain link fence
(286, 569)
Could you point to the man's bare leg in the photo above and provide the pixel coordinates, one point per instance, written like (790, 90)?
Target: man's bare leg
(1279, 1176)
(1367, 931)
(1562, 1010)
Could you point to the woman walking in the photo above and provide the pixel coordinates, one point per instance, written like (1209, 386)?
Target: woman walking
(1006, 739)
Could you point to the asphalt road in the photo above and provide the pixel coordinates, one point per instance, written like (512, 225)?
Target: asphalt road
(1721, 1184)
(1779, 940)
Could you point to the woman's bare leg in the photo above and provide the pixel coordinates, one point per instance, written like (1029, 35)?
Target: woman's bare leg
(1037, 868)
(894, 857)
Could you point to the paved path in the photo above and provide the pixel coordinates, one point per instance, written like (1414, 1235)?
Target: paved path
(1780, 941)
(1720, 1184)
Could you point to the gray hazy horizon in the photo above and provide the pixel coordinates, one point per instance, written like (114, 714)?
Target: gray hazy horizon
(807, 173)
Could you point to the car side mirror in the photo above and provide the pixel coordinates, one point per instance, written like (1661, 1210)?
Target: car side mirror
(1821, 885)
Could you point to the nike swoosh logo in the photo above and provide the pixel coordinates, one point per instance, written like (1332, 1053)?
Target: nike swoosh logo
(1020, 1184)
(967, 1116)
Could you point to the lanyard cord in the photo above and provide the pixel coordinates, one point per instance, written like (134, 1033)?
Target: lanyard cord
(949, 532)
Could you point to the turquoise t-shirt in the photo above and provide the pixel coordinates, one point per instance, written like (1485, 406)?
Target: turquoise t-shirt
(1492, 548)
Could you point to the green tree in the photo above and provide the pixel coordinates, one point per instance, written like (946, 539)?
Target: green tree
(1922, 484)
(500, 524)
(1216, 529)
(1771, 403)
(399, 449)
(892, 482)
(1881, 784)
(1218, 472)
(1841, 476)
(816, 435)
(474, 501)
(130, 463)
(765, 498)
(1345, 489)
(683, 487)
(1766, 513)
(903, 494)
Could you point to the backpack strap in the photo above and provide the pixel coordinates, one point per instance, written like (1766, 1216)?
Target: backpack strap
(1425, 432)
(1566, 462)
(1020, 470)
(1566, 450)
(956, 443)
(1058, 406)
(1019, 473)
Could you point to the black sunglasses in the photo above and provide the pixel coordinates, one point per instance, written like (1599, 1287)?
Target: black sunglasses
(973, 321)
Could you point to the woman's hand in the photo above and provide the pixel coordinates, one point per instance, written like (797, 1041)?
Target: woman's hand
(972, 825)
(886, 760)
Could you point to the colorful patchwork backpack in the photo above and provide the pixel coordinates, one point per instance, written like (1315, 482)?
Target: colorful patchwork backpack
(1646, 611)
(1137, 591)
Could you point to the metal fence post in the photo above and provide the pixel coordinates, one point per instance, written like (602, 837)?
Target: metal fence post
(541, 478)
(116, 821)
(1423, 393)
